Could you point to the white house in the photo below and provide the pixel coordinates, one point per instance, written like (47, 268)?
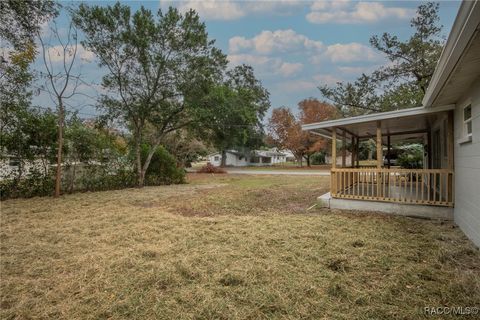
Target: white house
(252, 158)
(448, 125)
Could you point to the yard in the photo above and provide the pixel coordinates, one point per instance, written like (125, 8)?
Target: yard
(226, 247)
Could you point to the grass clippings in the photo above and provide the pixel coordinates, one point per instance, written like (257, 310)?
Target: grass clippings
(226, 247)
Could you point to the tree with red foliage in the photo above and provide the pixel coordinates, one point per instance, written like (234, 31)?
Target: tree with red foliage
(285, 130)
(311, 111)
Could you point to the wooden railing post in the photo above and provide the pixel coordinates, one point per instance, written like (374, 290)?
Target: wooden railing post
(333, 186)
(334, 148)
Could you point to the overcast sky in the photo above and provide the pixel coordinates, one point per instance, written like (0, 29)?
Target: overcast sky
(294, 46)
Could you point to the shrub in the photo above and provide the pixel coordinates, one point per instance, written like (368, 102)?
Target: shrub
(412, 157)
(163, 168)
(210, 168)
(318, 158)
(34, 184)
(99, 178)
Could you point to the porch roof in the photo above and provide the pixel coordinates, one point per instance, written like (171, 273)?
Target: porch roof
(400, 124)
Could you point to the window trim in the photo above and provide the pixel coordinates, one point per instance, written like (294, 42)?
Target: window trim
(466, 134)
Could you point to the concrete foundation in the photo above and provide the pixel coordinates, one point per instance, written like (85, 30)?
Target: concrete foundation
(411, 210)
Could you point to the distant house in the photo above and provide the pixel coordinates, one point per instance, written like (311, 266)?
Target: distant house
(10, 166)
(252, 158)
(447, 125)
(348, 159)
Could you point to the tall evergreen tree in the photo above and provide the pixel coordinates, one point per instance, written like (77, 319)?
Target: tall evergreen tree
(403, 82)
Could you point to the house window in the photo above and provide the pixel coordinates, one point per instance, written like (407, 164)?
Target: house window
(467, 121)
(216, 158)
(13, 162)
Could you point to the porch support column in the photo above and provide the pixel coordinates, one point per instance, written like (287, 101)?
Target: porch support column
(429, 149)
(379, 156)
(388, 150)
(379, 144)
(357, 158)
(333, 174)
(352, 146)
(450, 151)
(344, 148)
(334, 148)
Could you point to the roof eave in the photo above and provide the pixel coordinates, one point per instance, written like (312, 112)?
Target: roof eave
(375, 117)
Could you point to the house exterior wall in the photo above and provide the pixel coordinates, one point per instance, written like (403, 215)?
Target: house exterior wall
(232, 160)
(215, 159)
(279, 159)
(467, 167)
(7, 170)
(235, 160)
(348, 160)
(440, 127)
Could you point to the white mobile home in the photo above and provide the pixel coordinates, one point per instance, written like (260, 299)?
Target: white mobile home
(252, 158)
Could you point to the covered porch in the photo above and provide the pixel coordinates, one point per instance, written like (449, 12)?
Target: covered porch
(431, 185)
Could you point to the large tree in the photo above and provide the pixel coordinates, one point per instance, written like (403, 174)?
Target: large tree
(238, 107)
(21, 21)
(159, 67)
(312, 110)
(403, 81)
(285, 130)
(26, 133)
(61, 82)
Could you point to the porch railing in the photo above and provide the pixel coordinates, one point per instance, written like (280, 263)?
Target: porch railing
(415, 186)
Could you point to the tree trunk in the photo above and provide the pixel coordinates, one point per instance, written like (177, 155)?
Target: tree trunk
(370, 154)
(146, 164)
(58, 175)
(223, 162)
(308, 160)
(141, 178)
(138, 160)
(300, 160)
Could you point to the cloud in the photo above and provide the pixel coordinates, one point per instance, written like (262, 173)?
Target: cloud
(233, 10)
(327, 79)
(345, 12)
(349, 70)
(275, 41)
(266, 66)
(288, 69)
(347, 53)
(56, 53)
(296, 86)
(215, 10)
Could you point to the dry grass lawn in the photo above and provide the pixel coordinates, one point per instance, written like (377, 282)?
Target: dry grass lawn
(226, 247)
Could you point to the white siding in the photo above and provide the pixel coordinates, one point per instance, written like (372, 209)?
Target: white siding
(215, 159)
(232, 160)
(467, 168)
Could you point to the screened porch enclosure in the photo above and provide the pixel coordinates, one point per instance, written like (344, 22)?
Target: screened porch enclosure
(433, 184)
